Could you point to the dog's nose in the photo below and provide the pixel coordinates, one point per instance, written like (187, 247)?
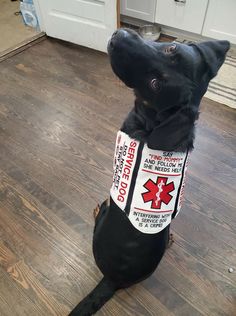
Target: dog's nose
(116, 36)
(120, 33)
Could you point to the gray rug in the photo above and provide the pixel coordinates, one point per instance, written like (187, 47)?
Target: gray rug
(223, 87)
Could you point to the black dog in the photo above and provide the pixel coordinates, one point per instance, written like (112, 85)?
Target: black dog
(169, 81)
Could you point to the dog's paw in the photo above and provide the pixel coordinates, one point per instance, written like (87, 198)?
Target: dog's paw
(96, 211)
(107, 202)
(170, 241)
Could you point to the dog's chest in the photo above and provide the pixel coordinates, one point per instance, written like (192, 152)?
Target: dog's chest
(148, 184)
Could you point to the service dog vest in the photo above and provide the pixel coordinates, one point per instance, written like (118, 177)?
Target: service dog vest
(147, 184)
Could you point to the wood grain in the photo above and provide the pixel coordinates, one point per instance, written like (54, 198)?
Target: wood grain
(60, 108)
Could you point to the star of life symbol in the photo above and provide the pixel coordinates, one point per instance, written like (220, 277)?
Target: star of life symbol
(158, 192)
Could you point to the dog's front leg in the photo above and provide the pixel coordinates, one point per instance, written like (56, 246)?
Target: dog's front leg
(170, 240)
(96, 211)
(99, 208)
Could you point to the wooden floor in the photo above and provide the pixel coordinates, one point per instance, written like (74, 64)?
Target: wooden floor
(60, 108)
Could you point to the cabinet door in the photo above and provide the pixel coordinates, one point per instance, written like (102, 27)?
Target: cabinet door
(85, 22)
(186, 15)
(220, 20)
(144, 10)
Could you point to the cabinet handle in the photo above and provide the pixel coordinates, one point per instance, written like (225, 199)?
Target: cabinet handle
(181, 1)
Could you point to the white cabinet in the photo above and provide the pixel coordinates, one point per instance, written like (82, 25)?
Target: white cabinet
(186, 15)
(220, 20)
(140, 9)
(210, 18)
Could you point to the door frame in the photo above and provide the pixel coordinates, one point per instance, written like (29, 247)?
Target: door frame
(39, 15)
(118, 13)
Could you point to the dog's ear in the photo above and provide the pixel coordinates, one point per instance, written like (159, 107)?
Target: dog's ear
(213, 53)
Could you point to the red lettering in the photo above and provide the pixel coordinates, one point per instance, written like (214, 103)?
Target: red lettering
(133, 144)
(155, 157)
(131, 150)
(130, 156)
(127, 170)
(124, 185)
(122, 191)
(125, 176)
(120, 198)
(172, 159)
(129, 163)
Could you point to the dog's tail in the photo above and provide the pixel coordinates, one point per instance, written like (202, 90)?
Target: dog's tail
(95, 300)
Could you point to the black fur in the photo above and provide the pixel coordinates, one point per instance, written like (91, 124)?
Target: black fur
(169, 81)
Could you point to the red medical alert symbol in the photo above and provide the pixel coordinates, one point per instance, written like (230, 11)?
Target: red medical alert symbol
(158, 192)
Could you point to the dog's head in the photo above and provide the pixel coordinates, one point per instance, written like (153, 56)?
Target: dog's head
(165, 74)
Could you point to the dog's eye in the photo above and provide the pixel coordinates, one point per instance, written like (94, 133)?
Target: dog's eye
(170, 49)
(154, 84)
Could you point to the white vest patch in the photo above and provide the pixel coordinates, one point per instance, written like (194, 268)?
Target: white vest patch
(147, 184)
